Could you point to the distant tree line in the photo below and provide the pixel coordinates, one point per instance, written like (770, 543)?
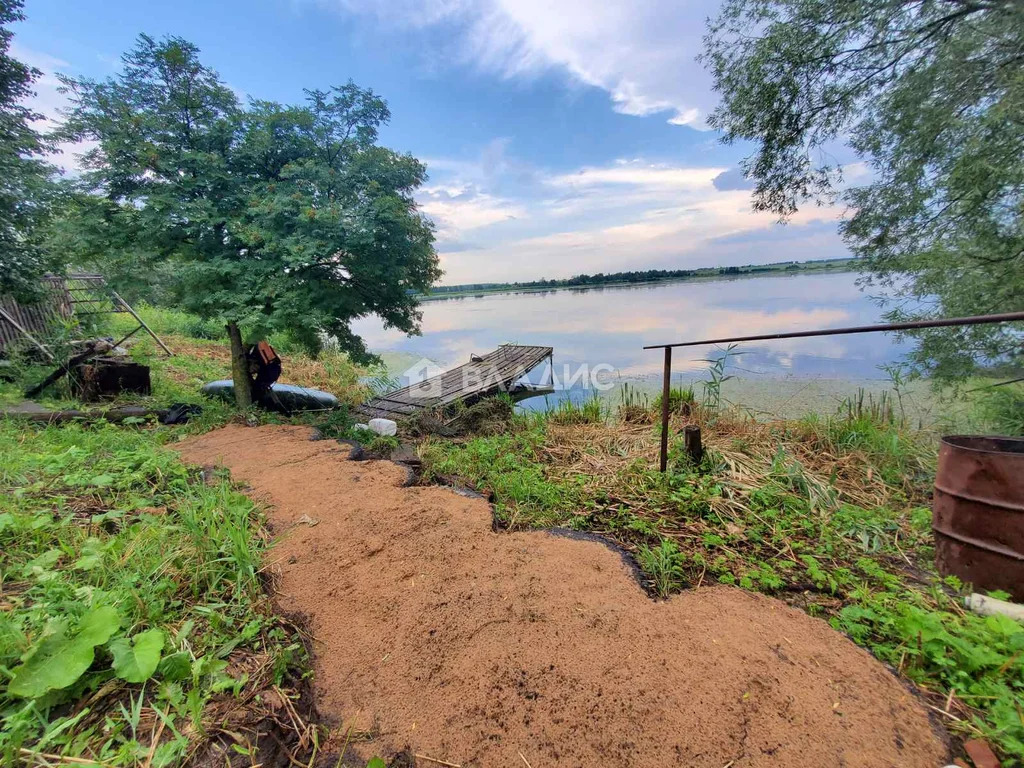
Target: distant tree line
(638, 276)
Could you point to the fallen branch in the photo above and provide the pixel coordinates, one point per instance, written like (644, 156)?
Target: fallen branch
(71, 414)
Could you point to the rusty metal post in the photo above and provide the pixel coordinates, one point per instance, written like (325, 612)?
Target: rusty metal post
(666, 390)
(691, 437)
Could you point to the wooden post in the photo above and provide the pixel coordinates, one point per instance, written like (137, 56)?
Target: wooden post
(691, 437)
(666, 390)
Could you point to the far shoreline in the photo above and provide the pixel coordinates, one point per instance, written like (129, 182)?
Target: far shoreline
(826, 266)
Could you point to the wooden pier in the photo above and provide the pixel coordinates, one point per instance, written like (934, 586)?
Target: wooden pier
(495, 372)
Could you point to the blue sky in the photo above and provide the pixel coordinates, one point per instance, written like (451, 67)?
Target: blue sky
(560, 137)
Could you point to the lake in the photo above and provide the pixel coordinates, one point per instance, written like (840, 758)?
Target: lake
(608, 327)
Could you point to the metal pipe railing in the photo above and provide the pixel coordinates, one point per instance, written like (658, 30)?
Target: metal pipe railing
(1004, 317)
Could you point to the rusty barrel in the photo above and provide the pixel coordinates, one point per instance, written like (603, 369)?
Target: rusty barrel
(978, 511)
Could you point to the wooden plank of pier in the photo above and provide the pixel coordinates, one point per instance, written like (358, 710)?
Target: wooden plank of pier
(495, 372)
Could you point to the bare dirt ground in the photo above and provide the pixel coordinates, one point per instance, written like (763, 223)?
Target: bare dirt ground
(510, 649)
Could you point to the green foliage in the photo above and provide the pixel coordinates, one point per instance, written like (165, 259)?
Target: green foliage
(136, 660)
(507, 467)
(934, 643)
(664, 564)
(335, 424)
(590, 411)
(276, 218)
(1002, 409)
(126, 579)
(892, 451)
(380, 445)
(57, 661)
(931, 97)
(26, 192)
(678, 398)
(716, 377)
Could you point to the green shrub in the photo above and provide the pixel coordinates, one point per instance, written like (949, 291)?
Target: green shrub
(198, 328)
(678, 399)
(590, 411)
(1002, 409)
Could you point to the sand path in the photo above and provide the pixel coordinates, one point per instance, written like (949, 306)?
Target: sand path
(508, 649)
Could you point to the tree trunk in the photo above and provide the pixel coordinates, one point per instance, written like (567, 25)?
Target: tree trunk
(240, 369)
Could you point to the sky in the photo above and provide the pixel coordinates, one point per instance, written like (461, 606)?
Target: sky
(560, 136)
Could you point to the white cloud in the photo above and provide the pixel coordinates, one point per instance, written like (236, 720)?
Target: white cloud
(465, 210)
(641, 52)
(637, 173)
(48, 101)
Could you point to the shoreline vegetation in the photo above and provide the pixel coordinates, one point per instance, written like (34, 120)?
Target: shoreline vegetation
(641, 277)
(827, 512)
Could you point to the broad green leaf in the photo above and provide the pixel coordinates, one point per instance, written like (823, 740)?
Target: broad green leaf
(99, 625)
(101, 481)
(91, 554)
(88, 562)
(44, 561)
(177, 666)
(376, 762)
(58, 661)
(136, 660)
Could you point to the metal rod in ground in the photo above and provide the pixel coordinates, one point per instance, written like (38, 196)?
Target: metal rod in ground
(666, 387)
(141, 322)
(1005, 317)
(694, 447)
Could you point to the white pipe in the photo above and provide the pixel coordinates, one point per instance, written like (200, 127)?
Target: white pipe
(989, 606)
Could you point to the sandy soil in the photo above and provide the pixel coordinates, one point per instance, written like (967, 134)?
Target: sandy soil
(499, 649)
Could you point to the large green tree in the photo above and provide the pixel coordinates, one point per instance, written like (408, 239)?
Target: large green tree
(929, 94)
(26, 192)
(275, 217)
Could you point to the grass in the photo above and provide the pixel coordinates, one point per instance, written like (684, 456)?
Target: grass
(589, 411)
(135, 628)
(1001, 408)
(829, 514)
(679, 399)
(201, 354)
(130, 599)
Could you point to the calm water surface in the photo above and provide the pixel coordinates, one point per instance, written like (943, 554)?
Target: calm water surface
(611, 325)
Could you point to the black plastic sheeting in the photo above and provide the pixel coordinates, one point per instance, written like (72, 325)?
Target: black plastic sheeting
(283, 398)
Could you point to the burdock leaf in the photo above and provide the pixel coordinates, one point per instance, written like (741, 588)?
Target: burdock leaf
(98, 625)
(136, 660)
(58, 661)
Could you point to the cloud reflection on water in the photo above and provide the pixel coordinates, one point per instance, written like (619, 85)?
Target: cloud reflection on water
(611, 325)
